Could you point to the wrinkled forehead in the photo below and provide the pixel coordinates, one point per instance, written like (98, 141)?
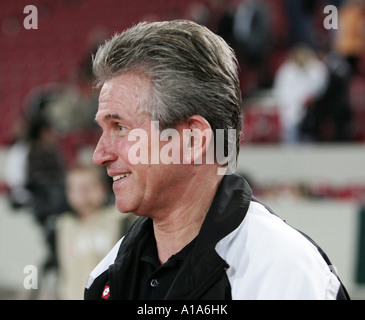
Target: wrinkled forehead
(128, 92)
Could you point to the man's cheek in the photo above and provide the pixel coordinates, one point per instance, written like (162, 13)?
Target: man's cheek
(137, 147)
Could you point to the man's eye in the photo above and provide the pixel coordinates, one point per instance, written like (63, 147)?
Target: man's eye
(120, 127)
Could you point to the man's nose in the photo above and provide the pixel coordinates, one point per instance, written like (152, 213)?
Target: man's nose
(104, 152)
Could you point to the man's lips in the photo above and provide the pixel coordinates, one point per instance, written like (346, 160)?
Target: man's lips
(121, 176)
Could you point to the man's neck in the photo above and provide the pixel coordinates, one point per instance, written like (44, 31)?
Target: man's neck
(181, 225)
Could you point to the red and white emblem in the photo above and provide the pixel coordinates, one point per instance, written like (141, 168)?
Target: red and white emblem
(106, 292)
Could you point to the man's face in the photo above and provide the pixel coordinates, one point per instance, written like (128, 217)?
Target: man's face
(139, 188)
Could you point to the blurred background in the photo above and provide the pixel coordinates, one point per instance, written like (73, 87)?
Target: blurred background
(302, 72)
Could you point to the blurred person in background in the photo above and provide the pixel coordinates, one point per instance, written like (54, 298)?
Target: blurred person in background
(74, 107)
(87, 232)
(15, 170)
(298, 82)
(329, 117)
(45, 173)
(350, 36)
(252, 29)
(300, 15)
(35, 168)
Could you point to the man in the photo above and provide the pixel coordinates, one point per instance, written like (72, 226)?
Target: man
(201, 234)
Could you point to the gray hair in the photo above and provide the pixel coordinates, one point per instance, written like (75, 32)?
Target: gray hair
(192, 70)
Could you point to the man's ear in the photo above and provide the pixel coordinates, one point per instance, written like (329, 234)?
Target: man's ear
(197, 141)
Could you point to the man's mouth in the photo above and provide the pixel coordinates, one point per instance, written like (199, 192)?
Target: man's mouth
(121, 176)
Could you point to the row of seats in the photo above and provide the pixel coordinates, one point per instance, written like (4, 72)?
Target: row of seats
(53, 52)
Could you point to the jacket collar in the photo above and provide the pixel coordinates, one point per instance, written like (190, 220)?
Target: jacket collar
(226, 213)
(204, 266)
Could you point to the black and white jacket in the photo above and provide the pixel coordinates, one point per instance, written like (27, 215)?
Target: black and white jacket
(243, 251)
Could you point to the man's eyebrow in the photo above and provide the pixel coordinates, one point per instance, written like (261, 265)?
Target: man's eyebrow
(112, 116)
(109, 116)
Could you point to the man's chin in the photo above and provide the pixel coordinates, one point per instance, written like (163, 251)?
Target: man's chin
(122, 206)
(125, 206)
